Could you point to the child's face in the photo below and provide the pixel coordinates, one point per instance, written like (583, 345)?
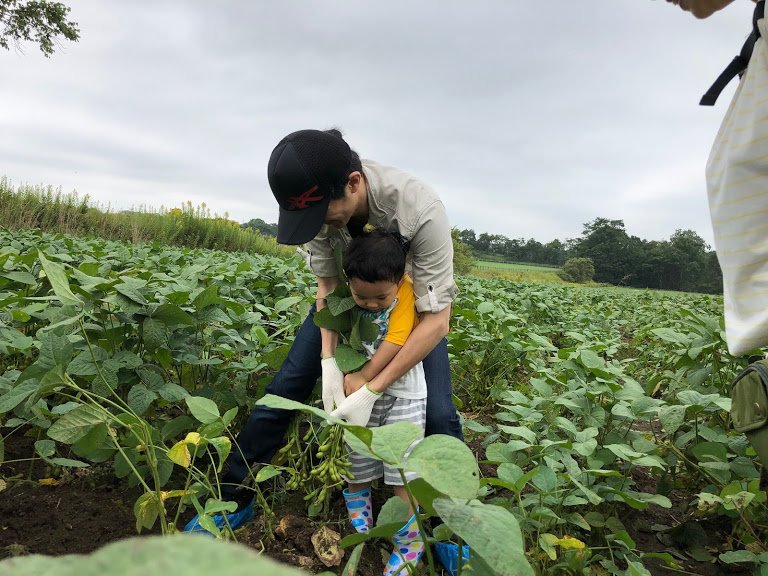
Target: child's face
(373, 296)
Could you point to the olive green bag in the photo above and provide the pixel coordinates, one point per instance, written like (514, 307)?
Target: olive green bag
(749, 406)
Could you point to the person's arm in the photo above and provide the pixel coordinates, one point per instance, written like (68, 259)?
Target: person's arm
(701, 8)
(431, 329)
(384, 354)
(330, 338)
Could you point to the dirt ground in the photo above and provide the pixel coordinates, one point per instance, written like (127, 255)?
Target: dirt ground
(80, 513)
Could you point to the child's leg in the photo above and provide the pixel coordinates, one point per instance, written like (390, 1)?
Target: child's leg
(362, 472)
(403, 494)
(359, 506)
(409, 545)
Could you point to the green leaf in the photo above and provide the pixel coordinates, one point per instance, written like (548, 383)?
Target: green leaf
(735, 556)
(266, 473)
(54, 351)
(545, 480)
(17, 395)
(339, 304)
(154, 332)
(672, 417)
(46, 448)
(206, 298)
(83, 364)
(130, 288)
(519, 431)
(58, 279)
(223, 447)
(276, 357)
(325, 319)
(140, 398)
(213, 506)
(669, 335)
(172, 392)
(350, 568)
(172, 315)
(389, 443)
(76, 424)
(203, 409)
(21, 278)
(424, 494)
(369, 331)
(176, 426)
(446, 464)
(710, 452)
(146, 510)
(286, 303)
(393, 511)
(480, 525)
(349, 360)
(281, 403)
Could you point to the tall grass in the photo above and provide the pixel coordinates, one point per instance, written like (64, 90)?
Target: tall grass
(518, 275)
(51, 210)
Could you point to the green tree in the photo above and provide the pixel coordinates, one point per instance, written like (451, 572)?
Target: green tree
(616, 256)
(462, 255)
(259, 225)
(39, 21)
(579, 270)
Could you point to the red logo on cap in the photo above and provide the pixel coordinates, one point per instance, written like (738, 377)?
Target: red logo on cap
(301, 202)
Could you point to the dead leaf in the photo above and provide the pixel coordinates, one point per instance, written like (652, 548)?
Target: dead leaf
(306, 562)
(326, 543)
(287, 526)
(49, 482)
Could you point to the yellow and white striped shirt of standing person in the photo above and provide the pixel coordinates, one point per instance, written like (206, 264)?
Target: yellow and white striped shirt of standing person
(737, 184)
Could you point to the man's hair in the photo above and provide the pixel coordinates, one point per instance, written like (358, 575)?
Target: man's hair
(356, 166)
(376, 256)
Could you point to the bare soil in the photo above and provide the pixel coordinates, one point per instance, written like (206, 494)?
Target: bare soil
(79, 513)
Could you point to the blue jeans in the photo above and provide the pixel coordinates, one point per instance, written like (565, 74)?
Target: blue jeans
(263, 434)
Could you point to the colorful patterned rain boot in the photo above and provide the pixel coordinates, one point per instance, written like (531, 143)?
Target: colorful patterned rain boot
(408, 549)
(359, 508)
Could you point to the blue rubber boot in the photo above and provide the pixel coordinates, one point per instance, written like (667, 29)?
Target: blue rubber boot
(236, 520)
(448, 554)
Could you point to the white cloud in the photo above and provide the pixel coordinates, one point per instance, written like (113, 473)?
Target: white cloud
(529, 119)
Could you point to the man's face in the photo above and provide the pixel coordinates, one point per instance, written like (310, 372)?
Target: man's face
(340, 211)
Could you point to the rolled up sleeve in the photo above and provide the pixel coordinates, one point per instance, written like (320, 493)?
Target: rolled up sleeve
(432, 267)
(321, 259)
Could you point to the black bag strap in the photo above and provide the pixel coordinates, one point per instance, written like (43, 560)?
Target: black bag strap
(738, 64)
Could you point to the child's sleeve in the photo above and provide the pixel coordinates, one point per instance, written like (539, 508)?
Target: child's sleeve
(403, 317)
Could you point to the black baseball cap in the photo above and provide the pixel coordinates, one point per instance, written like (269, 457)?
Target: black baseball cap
(303, 169)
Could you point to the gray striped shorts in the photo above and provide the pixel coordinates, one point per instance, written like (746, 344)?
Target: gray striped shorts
(388, 410)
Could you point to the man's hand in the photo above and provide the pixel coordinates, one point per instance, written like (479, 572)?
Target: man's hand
(356, 409)
(353, 382)
(333, 384)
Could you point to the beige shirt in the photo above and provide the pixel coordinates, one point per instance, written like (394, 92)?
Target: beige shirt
(398, 201)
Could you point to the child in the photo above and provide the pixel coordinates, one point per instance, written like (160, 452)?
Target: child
(374, 264)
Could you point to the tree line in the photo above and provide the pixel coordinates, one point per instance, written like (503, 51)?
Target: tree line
(685, 262)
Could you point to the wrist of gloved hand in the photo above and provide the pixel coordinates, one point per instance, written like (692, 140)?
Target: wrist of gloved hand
(357, 407)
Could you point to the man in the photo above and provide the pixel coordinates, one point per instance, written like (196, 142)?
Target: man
(326, 196)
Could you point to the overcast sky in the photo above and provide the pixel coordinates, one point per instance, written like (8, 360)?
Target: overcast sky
(529, 118)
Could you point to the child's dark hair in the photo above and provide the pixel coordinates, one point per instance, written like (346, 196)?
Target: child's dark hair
(376, 256)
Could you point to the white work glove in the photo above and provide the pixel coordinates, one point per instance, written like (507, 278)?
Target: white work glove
(356, 408)
(333, 384)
